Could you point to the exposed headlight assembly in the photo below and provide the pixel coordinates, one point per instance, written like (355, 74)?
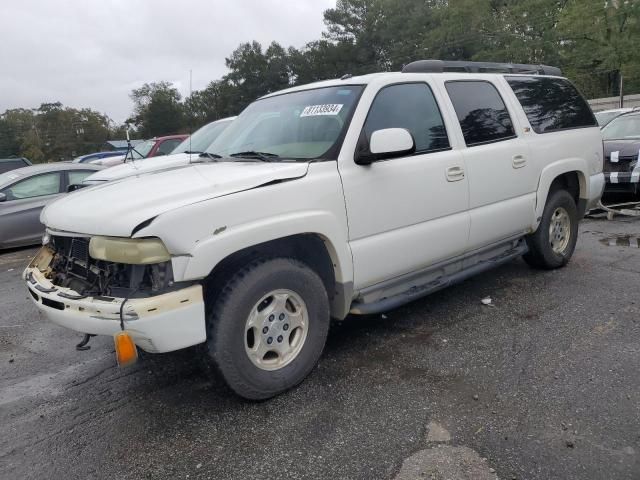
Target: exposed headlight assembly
(135, 251)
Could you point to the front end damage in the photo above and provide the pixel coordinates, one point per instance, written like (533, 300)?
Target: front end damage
(100, 297)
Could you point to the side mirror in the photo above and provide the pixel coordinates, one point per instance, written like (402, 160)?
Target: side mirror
(386, 143)
(3, 197)
(74, 186)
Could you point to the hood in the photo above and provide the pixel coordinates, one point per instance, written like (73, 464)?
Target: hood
(109, 161)
(138, 167)
(116, 208)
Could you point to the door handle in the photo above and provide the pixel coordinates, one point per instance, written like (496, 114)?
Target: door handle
(519, 161)
(455, 173)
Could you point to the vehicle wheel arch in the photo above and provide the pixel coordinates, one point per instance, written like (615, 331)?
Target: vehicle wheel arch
(312, 249)
(567, 175)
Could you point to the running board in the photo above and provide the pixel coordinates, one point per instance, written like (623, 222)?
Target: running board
(416, 292)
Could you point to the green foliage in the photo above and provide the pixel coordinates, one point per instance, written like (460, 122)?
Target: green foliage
(51, 132)
(157, 109)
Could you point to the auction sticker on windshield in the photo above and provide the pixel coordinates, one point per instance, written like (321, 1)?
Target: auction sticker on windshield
(328, 109)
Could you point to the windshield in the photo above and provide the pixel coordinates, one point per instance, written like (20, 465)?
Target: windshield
(623, 127)
(142, 149)
(299, 125)
(202, 138)
(605, 117)
(8, 176)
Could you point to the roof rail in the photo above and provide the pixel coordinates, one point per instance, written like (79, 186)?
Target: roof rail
(439, 66)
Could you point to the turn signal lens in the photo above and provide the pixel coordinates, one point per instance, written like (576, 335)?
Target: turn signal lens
(136, 251)
(126, 351)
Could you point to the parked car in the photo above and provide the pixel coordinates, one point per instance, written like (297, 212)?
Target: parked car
(344, 196)
(7, 164)
(184, 153)
(147, 149)
(97, 156)
(605, 116)
(25, 191)
(200, 140)
(621, 150)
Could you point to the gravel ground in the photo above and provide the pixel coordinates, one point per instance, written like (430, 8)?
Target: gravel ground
(543, 384)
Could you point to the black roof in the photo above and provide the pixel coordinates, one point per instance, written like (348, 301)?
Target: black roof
(439, 66)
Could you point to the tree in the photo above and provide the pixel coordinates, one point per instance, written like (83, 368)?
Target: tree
(157, 109)
(600, 42)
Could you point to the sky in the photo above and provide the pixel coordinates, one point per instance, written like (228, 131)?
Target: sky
(92, 53)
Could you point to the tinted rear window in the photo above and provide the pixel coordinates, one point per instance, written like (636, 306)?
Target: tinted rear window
(552, 103)
(481, 112)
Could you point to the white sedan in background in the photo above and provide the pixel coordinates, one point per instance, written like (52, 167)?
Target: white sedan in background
(187, 151)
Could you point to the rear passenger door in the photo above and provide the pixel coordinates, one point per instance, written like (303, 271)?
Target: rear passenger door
(502, 183)
(410, 212)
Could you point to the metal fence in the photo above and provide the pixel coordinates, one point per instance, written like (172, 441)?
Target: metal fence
(599, 104)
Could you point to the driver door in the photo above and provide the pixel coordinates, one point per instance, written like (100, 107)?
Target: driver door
(406, 213)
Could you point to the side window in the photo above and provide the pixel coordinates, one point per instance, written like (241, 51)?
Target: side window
(481, 112)
(551, 103)
(37, 186)
(77, 176)
(411, 106)
(168, 146)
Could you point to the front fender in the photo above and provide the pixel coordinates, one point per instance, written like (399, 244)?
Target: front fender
(201, 235)
(211, 251)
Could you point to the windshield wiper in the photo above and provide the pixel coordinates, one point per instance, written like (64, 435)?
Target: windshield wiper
(192, 152)
(264, 156)
(211, 156)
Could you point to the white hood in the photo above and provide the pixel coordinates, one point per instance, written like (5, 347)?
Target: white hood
(109, 161)
(116, 208)
(138, 167)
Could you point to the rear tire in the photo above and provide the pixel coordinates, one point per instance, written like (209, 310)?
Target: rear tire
(552, 244)
(268, 327)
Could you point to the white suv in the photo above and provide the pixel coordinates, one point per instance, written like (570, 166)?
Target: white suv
(354, 195)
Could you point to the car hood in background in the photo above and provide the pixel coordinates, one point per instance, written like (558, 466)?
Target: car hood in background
(109, 161)
(117, 208)
(626, 148)
(138, 167)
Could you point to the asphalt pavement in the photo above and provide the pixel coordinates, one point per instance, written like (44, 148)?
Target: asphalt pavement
(542, 384)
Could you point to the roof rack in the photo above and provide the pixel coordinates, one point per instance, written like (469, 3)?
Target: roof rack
(439, 66)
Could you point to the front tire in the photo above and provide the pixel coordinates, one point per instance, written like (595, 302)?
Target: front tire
(552, 244)
(268, 327)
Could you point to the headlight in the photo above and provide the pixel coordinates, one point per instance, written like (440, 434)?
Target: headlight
(136, 251)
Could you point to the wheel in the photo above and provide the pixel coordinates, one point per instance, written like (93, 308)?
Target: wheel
(552, 244)
(268, 327)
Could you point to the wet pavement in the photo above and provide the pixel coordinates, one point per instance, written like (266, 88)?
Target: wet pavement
(542, 384)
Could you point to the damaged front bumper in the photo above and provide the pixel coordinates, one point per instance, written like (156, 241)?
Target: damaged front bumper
(157, 324)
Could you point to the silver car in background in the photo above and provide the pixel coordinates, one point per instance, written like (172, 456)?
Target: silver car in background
(25, 191)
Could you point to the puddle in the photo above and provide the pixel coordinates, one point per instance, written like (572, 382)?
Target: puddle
(621, 241)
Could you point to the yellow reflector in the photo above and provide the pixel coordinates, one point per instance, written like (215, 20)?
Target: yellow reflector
(126, 352)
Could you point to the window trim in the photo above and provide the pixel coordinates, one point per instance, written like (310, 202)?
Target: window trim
(486, 142)
(61, 185)
(564, 129)
(417, 152)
